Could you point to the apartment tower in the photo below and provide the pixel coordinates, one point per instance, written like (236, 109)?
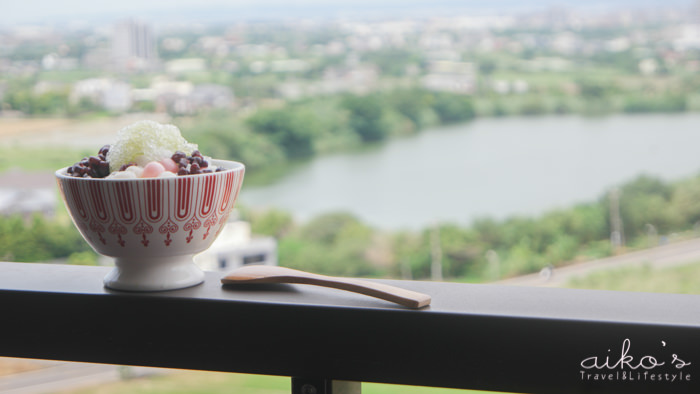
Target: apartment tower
(134, 46)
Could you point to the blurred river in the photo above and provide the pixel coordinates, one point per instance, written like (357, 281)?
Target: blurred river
(490, 167)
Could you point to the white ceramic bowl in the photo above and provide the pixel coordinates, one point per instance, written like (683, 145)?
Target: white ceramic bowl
(152, 227)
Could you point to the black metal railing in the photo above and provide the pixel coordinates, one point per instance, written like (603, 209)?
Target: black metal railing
(488, 337)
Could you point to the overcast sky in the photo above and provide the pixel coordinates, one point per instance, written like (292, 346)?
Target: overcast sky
(53, 10)
(42, 11)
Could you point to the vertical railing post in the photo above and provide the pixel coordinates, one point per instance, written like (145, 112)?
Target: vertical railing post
(324, 386)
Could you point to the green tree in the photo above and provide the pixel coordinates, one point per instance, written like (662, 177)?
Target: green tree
(685, 200)
(663, 103)
(412, 104)
(366, 116)
(452, 108)
(489, 231)
(533, 106)
(593, 90)
(588, 222)
(83, 258)
(523, 259)
(48, 103)
(221, 136)
(646, 200)
(334, 244)
(411, 254)
(461, 251)
(563, 248)
(272, 222)
(647, 185)
(487, 66)
(326, 228)
(393, 61)
(515, 228)
(596, 95)
(83, 106)
(38, 239)
(293, 128)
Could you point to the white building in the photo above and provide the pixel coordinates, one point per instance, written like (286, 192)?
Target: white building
(186, 65)
(447, 76)
(109, 94)
(687, 37)
(236, 247)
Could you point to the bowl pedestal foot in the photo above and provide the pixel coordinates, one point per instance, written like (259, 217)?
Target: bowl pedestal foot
(154, 273)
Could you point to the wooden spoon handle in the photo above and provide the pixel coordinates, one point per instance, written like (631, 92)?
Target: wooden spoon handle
(274, 274)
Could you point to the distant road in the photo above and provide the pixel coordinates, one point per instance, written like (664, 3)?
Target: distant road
(90, 134)
(56, 377)
(673, 254)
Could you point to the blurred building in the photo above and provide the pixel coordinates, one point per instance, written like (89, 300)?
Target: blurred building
(26, 193)
(211, 96)
(186, 65)
(184, 97)
(54, 61)
(236, 246)
(112, 95)
(357, 79)
(454, 77)
(134, 47)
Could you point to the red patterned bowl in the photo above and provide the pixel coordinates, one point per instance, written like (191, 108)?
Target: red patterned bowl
(152, 227)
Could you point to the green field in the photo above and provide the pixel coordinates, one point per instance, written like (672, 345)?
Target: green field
(682, 279)
(39, 158)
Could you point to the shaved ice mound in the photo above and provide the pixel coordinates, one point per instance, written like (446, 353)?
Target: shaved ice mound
(146, 141)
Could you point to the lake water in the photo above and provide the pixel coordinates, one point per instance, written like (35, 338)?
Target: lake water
(488, 168)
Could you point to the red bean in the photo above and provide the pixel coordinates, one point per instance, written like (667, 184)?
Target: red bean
(177, 156)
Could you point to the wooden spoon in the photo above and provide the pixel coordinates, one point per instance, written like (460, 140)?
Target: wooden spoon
(276, 274)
